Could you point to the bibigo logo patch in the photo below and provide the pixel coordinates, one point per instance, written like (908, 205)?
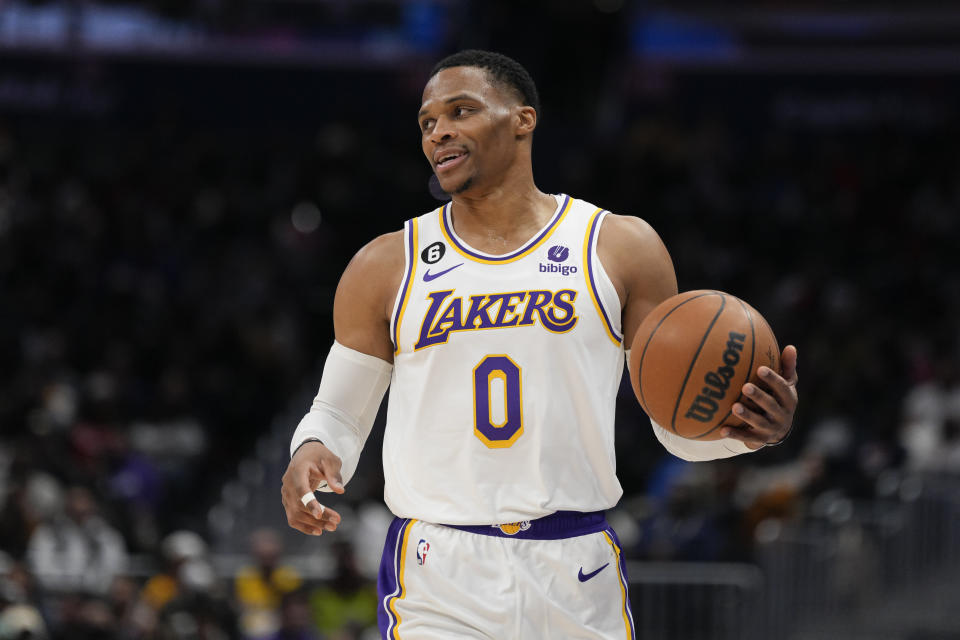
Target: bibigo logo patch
(555, 254)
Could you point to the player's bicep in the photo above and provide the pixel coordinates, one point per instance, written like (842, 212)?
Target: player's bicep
(365, 293)
(640, 265)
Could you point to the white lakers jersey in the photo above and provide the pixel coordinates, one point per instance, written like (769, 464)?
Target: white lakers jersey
(505, 375)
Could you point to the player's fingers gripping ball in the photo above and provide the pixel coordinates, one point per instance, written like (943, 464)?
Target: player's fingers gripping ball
(691, 357)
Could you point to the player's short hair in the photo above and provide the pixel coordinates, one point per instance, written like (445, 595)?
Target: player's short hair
(503, 70)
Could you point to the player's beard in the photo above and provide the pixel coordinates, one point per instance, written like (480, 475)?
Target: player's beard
(466, 185)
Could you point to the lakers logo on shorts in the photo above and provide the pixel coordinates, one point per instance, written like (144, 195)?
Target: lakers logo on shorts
(513, 528)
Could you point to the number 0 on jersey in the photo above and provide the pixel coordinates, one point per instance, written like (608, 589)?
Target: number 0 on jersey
(497, 401)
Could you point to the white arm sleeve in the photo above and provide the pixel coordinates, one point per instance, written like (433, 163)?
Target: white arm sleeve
(346, 405)
(696, 450)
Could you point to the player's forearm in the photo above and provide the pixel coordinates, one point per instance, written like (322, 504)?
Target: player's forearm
(346, 405)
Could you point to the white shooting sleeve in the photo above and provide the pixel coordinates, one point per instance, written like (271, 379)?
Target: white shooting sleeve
(342, 413)
(696, 450)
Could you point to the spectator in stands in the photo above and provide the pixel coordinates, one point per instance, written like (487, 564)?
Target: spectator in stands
(20, 617)
(21, 622)
(201, 609)
(84, 616)
(78, 551)
(930, 431)
(347, 604)
(295, 623)
(177, 549)
(260, 588)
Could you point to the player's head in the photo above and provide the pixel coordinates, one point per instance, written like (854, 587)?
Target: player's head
(477, 118)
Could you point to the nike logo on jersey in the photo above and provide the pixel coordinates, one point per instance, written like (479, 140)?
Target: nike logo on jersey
(427, 276)
(584, 577)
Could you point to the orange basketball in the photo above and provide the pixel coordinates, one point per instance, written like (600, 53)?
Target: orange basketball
(691, 357)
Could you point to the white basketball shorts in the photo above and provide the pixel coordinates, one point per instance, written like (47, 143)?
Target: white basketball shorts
(561, 576)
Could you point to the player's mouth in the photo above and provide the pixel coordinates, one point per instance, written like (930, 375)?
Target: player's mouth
(449, 159)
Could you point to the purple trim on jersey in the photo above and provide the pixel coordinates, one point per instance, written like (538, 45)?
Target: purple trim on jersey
(411, 259)
(388, 575)
(593, 285)
(556, 526)
(510, 256)
(624, 580)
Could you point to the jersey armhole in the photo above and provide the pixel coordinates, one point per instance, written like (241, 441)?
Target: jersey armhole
(604, 294)
(409, 273)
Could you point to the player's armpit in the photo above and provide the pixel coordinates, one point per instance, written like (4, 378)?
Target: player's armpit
(639, 266)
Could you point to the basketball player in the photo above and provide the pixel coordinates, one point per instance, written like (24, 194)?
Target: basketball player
(499, 322)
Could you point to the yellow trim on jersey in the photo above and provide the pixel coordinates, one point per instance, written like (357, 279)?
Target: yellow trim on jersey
(546, 234)
(623, 591)
(588, 274)
(408, 285)
(403, 591)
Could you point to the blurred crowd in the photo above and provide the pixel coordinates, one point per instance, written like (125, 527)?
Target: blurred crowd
(162, 300)
(166, 289)
(76, 582)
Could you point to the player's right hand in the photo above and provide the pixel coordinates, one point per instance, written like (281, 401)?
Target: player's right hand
(310, 466)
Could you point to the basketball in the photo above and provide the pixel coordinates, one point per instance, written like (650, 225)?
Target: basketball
(691, 357)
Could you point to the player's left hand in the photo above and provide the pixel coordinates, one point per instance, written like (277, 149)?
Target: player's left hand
(775, 402)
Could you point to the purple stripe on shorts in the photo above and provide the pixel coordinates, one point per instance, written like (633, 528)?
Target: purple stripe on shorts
(388, 576)
(556, 526)
(593, 285)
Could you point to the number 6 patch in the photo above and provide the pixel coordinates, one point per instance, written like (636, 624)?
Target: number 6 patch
(433, 253)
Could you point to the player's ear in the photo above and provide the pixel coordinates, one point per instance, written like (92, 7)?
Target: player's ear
(526, 119)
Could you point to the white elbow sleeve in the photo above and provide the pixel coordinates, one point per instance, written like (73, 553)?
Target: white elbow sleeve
(346, 405)
(698, 450)
(695, 450)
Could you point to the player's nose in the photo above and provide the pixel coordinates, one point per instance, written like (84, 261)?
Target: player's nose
(443, 130)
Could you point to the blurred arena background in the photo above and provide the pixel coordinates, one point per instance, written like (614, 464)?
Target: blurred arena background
(182, 183)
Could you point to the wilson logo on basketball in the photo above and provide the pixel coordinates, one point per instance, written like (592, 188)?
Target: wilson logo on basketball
(717, 382)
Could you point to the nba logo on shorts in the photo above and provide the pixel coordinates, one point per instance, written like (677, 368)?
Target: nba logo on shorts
(422, 547)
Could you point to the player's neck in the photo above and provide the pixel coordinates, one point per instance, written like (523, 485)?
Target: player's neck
(500, 219)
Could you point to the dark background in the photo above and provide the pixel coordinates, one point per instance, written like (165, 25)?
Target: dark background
(182, 184)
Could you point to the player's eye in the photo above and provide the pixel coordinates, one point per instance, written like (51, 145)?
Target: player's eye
(425, 125)
(461, 111)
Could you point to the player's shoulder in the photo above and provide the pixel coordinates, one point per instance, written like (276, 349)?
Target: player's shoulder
(630, 248)
(383, 254)
(627, 230)
(618, 229)
(372, 277)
